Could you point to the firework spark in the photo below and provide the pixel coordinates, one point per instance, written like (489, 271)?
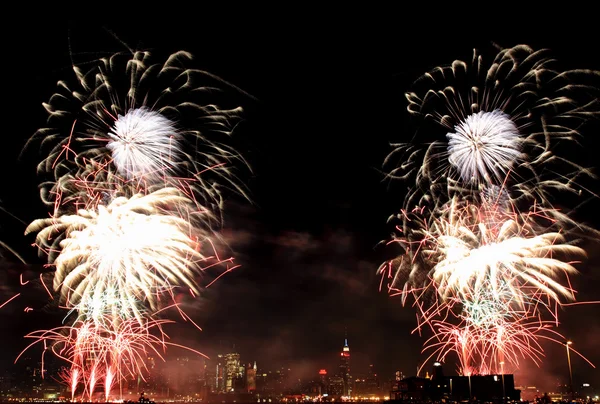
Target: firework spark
(473, 253)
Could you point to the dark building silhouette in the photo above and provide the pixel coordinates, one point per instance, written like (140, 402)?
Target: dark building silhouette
(366, 386)
(492, 388)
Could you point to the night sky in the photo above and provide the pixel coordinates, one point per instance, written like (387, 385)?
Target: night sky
(327, 101)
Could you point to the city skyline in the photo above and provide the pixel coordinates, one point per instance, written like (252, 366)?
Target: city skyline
(230, 375)
(316, 129)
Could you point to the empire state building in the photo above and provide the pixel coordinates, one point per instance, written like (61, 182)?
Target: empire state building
(344, 371)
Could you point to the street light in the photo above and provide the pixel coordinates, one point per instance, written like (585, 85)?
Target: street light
(503, 388)
(570, 371)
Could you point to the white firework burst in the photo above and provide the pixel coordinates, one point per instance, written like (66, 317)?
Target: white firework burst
(470, 259)
(484, 147)
(134, 251)
(457, 251)
(144, 144)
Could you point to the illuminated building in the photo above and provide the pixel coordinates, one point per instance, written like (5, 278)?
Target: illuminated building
(232, 370)
(336, 386)
(438, 371)
(318, 387)
(273, 382)
(282, 380)
(239, 380)
(323, 379)
(220, 375)
(210, 378)
(344, 369)
(251, 377)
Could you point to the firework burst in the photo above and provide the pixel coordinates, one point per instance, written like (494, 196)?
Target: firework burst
(469, 247)
(485, 253)
(130, 251)
(497, 123)
(102, 355)
(485, 147)
(492, 332)
(137, 154)
(483, 278)
(138, 124)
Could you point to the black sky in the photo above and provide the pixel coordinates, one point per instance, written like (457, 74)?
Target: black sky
(330, 99)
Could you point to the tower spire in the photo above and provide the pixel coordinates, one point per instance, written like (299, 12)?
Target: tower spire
(344, 371)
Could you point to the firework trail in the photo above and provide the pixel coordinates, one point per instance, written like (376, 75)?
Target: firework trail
(14, 274)
(4, 247)
(129, 124)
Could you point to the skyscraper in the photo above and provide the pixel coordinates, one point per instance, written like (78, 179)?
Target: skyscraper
(232, 370)
(344, 369)
(220, 374)
(251, 377)
(372, 382)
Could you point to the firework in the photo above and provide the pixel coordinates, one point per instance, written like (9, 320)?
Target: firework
(483, 278)
(493, 328)
(136, 155)
(491, 349)
(485, 147)
(484, 252)
(100, 357)
(133, 250)
(492, 333)
(497, 123)
(130, 124)
(469, 247)
(468, 253)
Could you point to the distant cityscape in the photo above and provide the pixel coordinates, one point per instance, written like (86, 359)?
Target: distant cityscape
(188, 378)
(227, 379)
